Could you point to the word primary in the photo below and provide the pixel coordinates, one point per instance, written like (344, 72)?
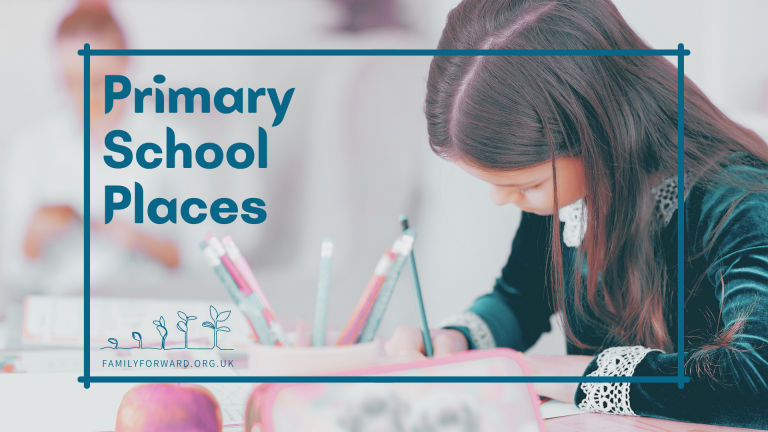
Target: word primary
(236, 104)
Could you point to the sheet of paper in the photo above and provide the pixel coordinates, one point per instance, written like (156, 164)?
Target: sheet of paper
(45, 361)
(232, 399)
(58, 321)
(553, 408)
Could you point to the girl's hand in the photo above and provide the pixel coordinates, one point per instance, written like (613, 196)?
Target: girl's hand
(408, 342)
(558, 365)
(47, 223)
(132, 239)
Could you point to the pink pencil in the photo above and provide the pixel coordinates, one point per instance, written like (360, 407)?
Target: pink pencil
(356, 322)
(244, 269)
(230, 256)
(217, 247)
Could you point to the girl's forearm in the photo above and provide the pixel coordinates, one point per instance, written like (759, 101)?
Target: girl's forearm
(160, 250)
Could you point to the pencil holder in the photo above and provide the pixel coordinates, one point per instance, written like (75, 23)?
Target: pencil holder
(266, 360)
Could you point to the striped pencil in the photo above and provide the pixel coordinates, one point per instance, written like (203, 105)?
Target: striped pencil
(250, 310)
(354, 326)
(403, 248)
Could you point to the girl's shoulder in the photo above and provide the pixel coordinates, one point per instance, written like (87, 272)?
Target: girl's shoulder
(741, 178)
(733, 198)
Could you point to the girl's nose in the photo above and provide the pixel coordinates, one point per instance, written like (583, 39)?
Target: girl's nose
(501, 196)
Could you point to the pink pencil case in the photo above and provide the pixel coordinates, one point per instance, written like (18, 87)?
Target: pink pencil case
(405, 407)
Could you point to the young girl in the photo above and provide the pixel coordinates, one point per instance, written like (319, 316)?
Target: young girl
(587, 148)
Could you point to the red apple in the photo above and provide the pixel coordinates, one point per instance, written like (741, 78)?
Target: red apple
(168, 408)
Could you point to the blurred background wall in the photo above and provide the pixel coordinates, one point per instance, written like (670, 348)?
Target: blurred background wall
(352, 153)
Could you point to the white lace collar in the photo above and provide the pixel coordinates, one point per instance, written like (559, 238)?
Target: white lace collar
(575, 218)
(575, 215)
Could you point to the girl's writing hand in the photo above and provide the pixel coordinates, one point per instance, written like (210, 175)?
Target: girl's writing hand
(408, 342)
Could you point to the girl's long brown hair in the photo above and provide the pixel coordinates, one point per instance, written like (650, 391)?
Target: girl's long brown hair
(617, 114)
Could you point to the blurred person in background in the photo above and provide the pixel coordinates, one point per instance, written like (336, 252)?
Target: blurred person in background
(361, 15)
(43, 179)
(346, 165)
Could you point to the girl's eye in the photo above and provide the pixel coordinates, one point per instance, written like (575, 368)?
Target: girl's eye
(529, 189)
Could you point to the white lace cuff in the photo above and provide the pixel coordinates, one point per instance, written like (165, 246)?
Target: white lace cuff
(613, 398)
(481, 335)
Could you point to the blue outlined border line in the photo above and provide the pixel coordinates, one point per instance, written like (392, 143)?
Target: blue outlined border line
(87, 53)
(381, 379)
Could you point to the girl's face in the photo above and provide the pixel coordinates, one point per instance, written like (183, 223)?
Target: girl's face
(533, 188)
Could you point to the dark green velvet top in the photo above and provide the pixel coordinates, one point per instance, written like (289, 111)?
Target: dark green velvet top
(729, 384)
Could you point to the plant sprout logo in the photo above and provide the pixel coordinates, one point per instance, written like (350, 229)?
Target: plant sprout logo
(183, 326)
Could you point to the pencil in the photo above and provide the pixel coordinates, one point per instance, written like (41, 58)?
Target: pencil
(250, 310)
(246, 280)
(323, 292)
(245, 270)
(354, 326)
(417, 294)
(403, 249)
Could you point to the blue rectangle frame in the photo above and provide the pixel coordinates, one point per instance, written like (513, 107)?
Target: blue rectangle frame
(87, 53)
